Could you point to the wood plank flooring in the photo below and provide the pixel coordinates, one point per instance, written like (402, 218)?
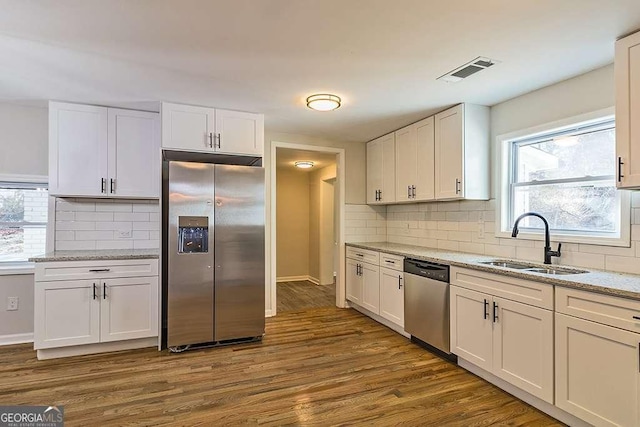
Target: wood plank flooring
(301, 295)
(324, 366)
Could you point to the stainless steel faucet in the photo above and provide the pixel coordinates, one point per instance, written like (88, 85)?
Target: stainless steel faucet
(548, 253)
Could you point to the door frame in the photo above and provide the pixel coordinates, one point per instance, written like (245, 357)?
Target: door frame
(270, 237)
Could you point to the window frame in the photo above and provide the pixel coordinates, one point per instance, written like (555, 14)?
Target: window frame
(505, 188)
(29, 181)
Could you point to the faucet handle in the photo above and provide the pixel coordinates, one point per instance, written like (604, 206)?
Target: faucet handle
(558, 251)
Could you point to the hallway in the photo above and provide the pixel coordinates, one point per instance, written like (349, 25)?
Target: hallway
(301, 295)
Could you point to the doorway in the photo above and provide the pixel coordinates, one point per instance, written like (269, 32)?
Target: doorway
(306, 228)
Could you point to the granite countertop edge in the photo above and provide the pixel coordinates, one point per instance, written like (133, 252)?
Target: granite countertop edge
(603, 282)
(97, 255)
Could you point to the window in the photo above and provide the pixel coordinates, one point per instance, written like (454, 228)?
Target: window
(567, 175)
(23, 220)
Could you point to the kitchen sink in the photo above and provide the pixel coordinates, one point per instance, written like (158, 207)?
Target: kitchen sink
(557, 271)
(508, 264)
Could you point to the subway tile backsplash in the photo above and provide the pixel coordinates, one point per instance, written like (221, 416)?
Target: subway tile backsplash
(86, 224)
(456, 226)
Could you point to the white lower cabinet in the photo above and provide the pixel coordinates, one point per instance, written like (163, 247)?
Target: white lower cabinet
(598, 365)
(392, 295)
(507, 338)
(375, 282)
(105, 308)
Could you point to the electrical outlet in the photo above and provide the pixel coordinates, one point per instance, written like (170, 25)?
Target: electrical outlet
(124, 234)
(12, 303)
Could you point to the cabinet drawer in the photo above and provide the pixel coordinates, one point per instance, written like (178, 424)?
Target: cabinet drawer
(393, 262)
(525, 291)
(76, 270)
(606, 309)
(365, 255)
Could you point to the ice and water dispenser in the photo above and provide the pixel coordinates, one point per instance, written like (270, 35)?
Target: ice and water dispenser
(193, 234)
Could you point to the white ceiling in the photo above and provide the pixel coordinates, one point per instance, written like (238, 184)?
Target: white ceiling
(286, 158)
(381, 56)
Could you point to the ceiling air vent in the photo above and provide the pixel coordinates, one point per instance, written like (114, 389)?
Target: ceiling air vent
(468, 69)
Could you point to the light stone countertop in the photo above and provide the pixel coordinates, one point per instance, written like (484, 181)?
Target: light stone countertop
(604, 282)
(97, 255)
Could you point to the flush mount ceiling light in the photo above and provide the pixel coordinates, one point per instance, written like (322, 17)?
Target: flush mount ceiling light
(323, 102)
(304, 164)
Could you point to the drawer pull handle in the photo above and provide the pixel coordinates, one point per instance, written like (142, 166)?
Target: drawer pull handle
(360, 255)
(636, 317)
(99, 270)
(390, 262)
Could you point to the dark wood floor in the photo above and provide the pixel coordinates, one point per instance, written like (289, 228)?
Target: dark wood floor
(322, 366)
(304, 294)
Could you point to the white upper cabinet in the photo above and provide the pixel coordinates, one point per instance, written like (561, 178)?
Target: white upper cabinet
(239, 133)
(134, 153)
(462, 153)
(415, 162)
(381, 170)
(185, 127)
(77, 150)
(627, 77)
(103, 152)
(191, 128)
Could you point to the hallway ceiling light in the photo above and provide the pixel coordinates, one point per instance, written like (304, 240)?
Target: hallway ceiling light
(323, 102)
(304, 164)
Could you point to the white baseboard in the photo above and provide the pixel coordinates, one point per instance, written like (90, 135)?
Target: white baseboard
(540, 404)
(298, 279)
(81, 350)
(16, 339)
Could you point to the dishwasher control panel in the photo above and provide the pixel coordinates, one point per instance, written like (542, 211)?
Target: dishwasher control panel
(432, 270)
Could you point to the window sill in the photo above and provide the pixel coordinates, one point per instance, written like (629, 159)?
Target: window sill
(12, 269)
(565, 238)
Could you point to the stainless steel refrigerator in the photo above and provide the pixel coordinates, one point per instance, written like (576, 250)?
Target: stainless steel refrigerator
(213, 248)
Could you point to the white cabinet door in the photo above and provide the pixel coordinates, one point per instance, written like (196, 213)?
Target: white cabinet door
(471, 327)
(392, 295)
(406, 163)
(77, 150)
(425, 174)
(186, 127)
(66, 313)
(597, 372)
(523, 347)
(374, 171)
(129, 308)
(381, 170)
(449, 153)
(134, 154)
(627, 77)
(370, 287)
(239, 133)
(354, 281)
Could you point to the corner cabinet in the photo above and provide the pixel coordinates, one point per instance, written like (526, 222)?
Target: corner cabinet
(204, 129)
(103, 152)
(462, 153)
(598, 357)
(627, 78)
(504, 326)
(381, 170)
(80, 303)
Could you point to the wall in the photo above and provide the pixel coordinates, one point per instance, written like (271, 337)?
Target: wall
(24, 140)
(355, 160)
(292, 224)
(86, 224)
(364, 223)
(16, 326)
(456, 225)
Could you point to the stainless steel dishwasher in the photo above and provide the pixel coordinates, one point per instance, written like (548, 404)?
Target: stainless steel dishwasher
(426, 302)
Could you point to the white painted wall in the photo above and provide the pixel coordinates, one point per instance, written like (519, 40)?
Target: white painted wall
(23, 140)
